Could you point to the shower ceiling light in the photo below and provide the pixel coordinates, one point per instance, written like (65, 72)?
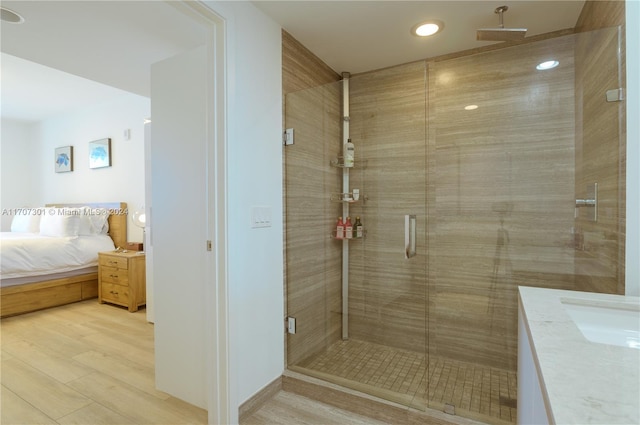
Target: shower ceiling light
(547, 65)
(427, 28)
(470, 107)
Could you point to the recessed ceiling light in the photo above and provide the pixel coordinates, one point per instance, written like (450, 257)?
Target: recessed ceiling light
(427, 28)
(470, 107)
(547, 65)
(10, 16)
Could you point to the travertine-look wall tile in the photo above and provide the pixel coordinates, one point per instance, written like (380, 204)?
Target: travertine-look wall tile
(312, 261)
(313, 258)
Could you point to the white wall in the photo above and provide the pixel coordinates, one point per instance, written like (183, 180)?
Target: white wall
(633, 148)
(17, 168)
(256, 298)
(122, 182)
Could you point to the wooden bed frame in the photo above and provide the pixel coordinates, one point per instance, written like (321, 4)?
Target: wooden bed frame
(29, 297)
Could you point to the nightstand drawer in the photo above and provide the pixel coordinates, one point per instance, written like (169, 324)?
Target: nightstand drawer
(114, 275)
(117, 294)
(113, 261)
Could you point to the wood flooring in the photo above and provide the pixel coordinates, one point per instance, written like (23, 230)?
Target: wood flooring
(84, 363)
(92, 364)
(291, 409)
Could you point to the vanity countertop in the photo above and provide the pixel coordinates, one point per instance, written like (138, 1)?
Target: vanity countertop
(583, 382)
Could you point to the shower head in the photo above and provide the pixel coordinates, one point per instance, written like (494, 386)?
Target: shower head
(501, 33)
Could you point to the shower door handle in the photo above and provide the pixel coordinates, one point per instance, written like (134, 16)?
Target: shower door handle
(409, 236)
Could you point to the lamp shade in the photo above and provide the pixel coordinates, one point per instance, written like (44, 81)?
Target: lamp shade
(139, 218)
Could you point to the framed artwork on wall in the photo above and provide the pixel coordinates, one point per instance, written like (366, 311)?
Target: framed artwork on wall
(100, 153)
(64, 159)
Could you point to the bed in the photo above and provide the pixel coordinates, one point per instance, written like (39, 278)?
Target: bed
(77, 280)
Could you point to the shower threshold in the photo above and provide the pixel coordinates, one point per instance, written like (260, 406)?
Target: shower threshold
(477, 392)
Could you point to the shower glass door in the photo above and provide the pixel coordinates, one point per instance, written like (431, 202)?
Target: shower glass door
(514, 147)
(387, 283)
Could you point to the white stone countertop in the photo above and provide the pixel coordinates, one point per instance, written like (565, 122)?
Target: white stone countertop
(583, 382)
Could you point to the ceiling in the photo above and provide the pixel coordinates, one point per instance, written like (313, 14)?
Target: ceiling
(115, 42)
(112, 43)
(359, 36)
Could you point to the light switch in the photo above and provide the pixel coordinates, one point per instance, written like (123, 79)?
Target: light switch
(260, 217)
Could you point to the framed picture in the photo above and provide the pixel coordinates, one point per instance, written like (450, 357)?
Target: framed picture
(64, 159)
(100, 153)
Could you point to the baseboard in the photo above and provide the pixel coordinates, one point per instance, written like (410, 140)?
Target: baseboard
(250, 406)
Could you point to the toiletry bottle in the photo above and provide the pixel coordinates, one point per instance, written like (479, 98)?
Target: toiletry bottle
(358, 228)
(340, 229)
(348, 229)
(349, 154)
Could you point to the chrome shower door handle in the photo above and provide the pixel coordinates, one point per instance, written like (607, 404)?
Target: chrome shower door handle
(409, 236)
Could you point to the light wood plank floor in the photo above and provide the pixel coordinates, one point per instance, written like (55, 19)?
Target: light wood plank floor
(84, 363)
(291, 409)
(90, 364)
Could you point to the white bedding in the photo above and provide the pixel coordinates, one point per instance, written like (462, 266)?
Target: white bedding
(31, 254)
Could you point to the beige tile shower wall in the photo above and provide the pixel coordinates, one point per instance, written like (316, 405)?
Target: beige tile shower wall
(312, 261)
(600, 145)
(301, 69)
(501, 203)
(388, 293)
(601, 14)
(313, 258)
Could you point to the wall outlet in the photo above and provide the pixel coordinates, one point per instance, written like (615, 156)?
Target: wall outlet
(291, 325)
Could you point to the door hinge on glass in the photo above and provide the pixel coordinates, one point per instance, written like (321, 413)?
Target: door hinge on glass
(209, 246)
(615, 95)
(290, 325)
(287, 137)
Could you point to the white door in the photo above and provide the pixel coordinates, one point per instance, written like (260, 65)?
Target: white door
(179, 223)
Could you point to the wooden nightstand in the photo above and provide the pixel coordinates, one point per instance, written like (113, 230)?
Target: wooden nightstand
(121, 279)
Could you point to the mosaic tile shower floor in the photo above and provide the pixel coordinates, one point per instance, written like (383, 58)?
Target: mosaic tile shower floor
(478, 392)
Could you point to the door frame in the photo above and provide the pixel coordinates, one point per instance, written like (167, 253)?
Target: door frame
(216, 289)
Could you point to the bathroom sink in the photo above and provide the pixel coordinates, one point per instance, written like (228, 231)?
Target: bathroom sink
(605, 322)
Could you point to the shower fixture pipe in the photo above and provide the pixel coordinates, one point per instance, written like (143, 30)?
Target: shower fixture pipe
(500, 33)
(345, 207)
(500, 11)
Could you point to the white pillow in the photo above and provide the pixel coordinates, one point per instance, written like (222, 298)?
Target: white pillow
(100, 220)
(85, 227)
(26, 222)
(59, 222)
(91, 221)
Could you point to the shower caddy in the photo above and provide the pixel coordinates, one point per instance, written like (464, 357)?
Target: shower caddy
(346, 198)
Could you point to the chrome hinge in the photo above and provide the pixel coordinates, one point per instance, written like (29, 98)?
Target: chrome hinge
(290, 325)
(287, 137)
(615, 95)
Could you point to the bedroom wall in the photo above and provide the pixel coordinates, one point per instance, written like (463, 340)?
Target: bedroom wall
(123, 181)
(17, 142)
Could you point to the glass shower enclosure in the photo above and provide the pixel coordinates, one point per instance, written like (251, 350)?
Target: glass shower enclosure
(515, 176)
